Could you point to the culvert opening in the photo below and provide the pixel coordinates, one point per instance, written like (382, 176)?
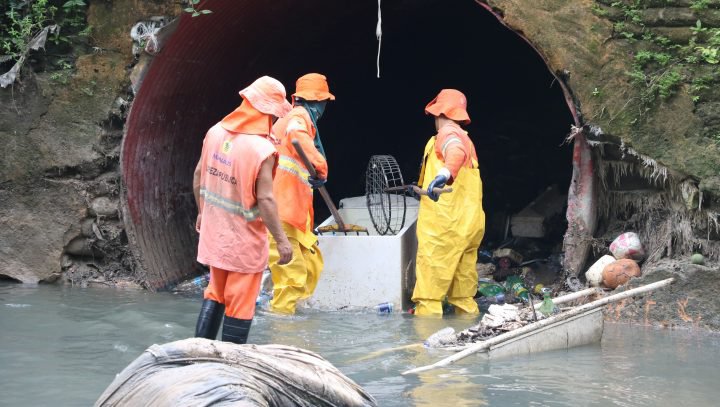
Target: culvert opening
(520, 117)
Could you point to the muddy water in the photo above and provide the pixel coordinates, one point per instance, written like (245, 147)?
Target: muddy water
(63, 346)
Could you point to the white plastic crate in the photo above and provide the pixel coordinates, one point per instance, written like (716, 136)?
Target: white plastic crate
(363, 271)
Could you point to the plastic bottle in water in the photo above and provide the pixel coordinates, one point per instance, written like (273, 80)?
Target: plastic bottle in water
(384, 308)
(441, 337)
(489, 288)
(515, 285)
(548, 307)
(201, 281)
(263, 300)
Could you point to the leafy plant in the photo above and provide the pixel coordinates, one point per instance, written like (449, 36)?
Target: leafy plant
(20, 23)
(668, 83)
(711, 55)
(644, 58)
(195, 12)
(62, 75)
(631, 10)
(698, 85)
(74, 11)
(599, 10)
(698, 5)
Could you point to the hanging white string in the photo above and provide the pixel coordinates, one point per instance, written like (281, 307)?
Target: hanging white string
(378, 34)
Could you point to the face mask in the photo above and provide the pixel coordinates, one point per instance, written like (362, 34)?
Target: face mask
(319, 108)
(315, 109)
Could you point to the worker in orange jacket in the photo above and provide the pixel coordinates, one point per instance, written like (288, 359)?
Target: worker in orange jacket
(293, 187)
(233, 187)
(450, 226)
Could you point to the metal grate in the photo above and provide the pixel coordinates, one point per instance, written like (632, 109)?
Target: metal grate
(387, 209)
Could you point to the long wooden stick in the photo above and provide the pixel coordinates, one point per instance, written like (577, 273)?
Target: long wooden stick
(572, 296)
(480, 346)
(418, 190)
(323, 192)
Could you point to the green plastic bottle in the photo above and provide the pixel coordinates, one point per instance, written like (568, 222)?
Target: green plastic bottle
(515, 285)
(547, 307)
(489, 288)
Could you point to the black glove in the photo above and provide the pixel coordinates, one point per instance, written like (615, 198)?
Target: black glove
(316, 183)
(439, 182)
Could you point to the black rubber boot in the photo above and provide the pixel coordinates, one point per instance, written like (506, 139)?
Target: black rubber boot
(236, 330)
(208, 323)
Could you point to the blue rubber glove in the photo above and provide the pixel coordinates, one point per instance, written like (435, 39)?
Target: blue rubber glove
(440, 180)
(316, 183)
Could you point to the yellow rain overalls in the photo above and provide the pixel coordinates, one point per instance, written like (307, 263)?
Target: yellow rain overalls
(449, 233)
(296, 280)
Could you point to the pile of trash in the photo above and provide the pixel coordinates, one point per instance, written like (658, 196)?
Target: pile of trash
(505, 279)
(614, 270)
(497, 320)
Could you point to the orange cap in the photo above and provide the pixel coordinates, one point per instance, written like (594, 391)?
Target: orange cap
(451, 103)
(313, 86)
(267, 95)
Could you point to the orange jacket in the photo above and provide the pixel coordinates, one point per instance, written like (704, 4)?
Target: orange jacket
(292, 191)
(233, 237)
(455, 149)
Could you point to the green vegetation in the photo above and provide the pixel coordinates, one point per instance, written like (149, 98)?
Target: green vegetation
(63, 73)
(21, 21)
(599, 10)
(698, 5)
(195, 12)
(660, 68)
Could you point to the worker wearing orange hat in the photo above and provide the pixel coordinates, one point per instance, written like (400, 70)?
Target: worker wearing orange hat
(233, 191)
(293, 187)
(450, 226)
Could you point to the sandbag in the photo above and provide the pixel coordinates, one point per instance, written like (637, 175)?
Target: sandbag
(627, 246)
(197, 371)
(620, 272)
(594, 275)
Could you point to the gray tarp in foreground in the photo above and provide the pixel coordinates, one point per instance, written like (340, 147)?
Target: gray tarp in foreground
(201, 372)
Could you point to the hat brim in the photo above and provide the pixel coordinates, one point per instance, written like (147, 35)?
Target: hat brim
(263, 105)
(315, 95)
(456, 114)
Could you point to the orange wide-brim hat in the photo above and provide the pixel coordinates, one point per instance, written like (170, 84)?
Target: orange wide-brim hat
(451, 103)
(268, 96)
(313, 86)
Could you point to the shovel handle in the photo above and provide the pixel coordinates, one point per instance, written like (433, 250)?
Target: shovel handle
(418, 190)
(323, 192)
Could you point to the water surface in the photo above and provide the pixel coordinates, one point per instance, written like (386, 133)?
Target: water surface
(62, 346)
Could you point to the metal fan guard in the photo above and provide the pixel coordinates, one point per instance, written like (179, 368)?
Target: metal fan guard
(387, 209)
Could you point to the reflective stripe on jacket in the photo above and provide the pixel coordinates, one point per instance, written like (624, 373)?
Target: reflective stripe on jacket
(455, 149)
(291, 189)
(232, 235)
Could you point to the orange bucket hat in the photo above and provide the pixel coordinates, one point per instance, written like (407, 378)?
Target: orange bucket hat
(268, 96)
(451, 103)
(313, 86)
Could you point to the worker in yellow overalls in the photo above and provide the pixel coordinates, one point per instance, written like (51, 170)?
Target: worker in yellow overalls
(293, 186)
(450, 226)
